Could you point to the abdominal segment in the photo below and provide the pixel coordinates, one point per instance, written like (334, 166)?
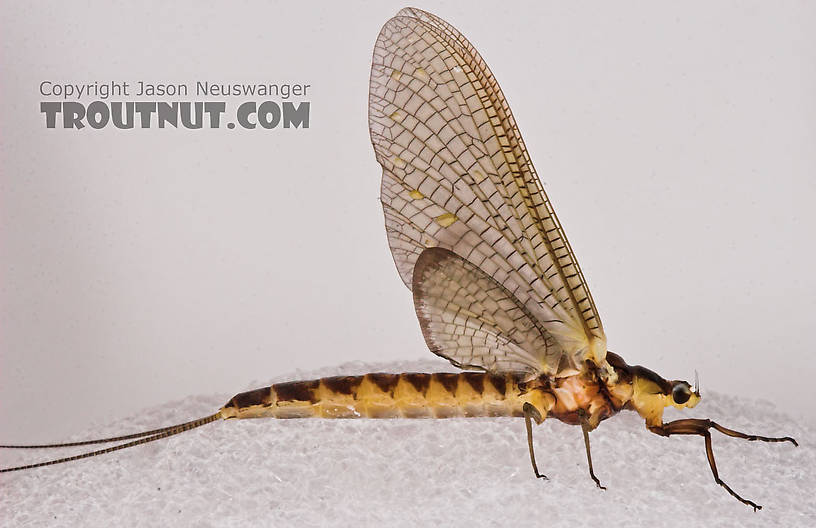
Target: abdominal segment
(379, 395)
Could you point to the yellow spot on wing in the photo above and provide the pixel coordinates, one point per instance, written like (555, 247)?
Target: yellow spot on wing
(397, 116)
(446, 219)
(396, 75)
(416, 195)
(399, 162)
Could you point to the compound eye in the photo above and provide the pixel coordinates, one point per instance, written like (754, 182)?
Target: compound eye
(681, 393)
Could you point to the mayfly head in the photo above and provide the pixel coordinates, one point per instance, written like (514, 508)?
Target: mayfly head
(651, 394)
(683, 394)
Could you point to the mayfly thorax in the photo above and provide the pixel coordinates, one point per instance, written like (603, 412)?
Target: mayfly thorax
(496, 287)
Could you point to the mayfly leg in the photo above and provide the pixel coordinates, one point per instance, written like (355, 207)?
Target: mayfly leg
(751, 438)
(530, 414)
(585, 429)
(692, 426)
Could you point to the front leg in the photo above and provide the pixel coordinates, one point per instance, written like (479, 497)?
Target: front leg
(693, 426)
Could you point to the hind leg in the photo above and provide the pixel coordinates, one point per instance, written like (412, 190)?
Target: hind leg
(530, 414)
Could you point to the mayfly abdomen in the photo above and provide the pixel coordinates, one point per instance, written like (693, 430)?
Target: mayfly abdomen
(379, 395)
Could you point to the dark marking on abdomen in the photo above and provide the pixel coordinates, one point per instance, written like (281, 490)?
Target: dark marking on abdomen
(385, 382)
(297, 391)
(499, 383)
(475, 380)
(419, 381)
(343, 384)
(449, 380)
(250, 398)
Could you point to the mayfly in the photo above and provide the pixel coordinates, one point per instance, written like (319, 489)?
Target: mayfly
(496, 286)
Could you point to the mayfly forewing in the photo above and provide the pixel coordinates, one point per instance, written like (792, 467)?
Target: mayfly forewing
(472, 320)
(456, 175)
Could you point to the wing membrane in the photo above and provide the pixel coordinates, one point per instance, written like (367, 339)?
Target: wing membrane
(456, 174)
(472, 320)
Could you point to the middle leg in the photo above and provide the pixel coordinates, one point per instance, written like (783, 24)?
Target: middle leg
(585, 428)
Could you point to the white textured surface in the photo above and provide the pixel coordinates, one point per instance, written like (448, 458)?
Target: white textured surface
(456, 472)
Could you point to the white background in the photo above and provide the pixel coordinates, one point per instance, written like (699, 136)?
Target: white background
(676, 143)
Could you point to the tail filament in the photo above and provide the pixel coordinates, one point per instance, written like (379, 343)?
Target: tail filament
(142, 438)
